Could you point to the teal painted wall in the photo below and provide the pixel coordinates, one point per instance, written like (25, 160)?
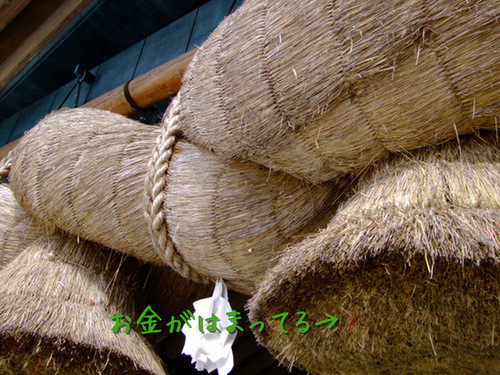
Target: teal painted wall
(175, 39)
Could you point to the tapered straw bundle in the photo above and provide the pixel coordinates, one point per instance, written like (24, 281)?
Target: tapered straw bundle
(232, 219)
(410, 263)
(318, 89)
(166, 292)
(83, 171)
(56, 303)
(17, 229)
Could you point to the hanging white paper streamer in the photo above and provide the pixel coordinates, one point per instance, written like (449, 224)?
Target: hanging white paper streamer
(211, 350)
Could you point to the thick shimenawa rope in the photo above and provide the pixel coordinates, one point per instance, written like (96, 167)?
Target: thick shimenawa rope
(5, 165)
(155, 183)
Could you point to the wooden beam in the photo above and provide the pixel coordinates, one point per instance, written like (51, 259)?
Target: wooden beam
(9, 9)
(39, 38)
(148, 89)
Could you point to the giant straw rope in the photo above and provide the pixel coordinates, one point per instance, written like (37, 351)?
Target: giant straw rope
(285, 106)
(84, 171)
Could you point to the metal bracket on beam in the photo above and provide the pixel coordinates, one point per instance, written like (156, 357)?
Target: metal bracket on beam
(84, 75)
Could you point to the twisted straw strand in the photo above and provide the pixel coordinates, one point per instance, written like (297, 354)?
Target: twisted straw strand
(155, 184)
(5, 165)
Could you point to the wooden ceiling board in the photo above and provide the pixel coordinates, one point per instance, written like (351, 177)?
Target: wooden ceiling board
(9, 9)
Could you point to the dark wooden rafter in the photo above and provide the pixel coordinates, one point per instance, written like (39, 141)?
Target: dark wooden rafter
(9, 9)
(29, 31)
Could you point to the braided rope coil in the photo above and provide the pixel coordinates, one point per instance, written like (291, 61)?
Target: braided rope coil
(5, 165)
(156, 181)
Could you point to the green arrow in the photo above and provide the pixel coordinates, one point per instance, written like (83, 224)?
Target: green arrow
(331, 319)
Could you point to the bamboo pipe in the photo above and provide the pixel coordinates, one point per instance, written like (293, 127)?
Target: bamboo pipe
(146, 90)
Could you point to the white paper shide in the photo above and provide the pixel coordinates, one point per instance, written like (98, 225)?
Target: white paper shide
(210, 350)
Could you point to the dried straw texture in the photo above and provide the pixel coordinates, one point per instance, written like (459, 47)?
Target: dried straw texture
(411, 260)
(320, 88)
(156, 285)
(45, 307)
(5, 165)
(17, 229)
(82, 170)
(231, 219)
